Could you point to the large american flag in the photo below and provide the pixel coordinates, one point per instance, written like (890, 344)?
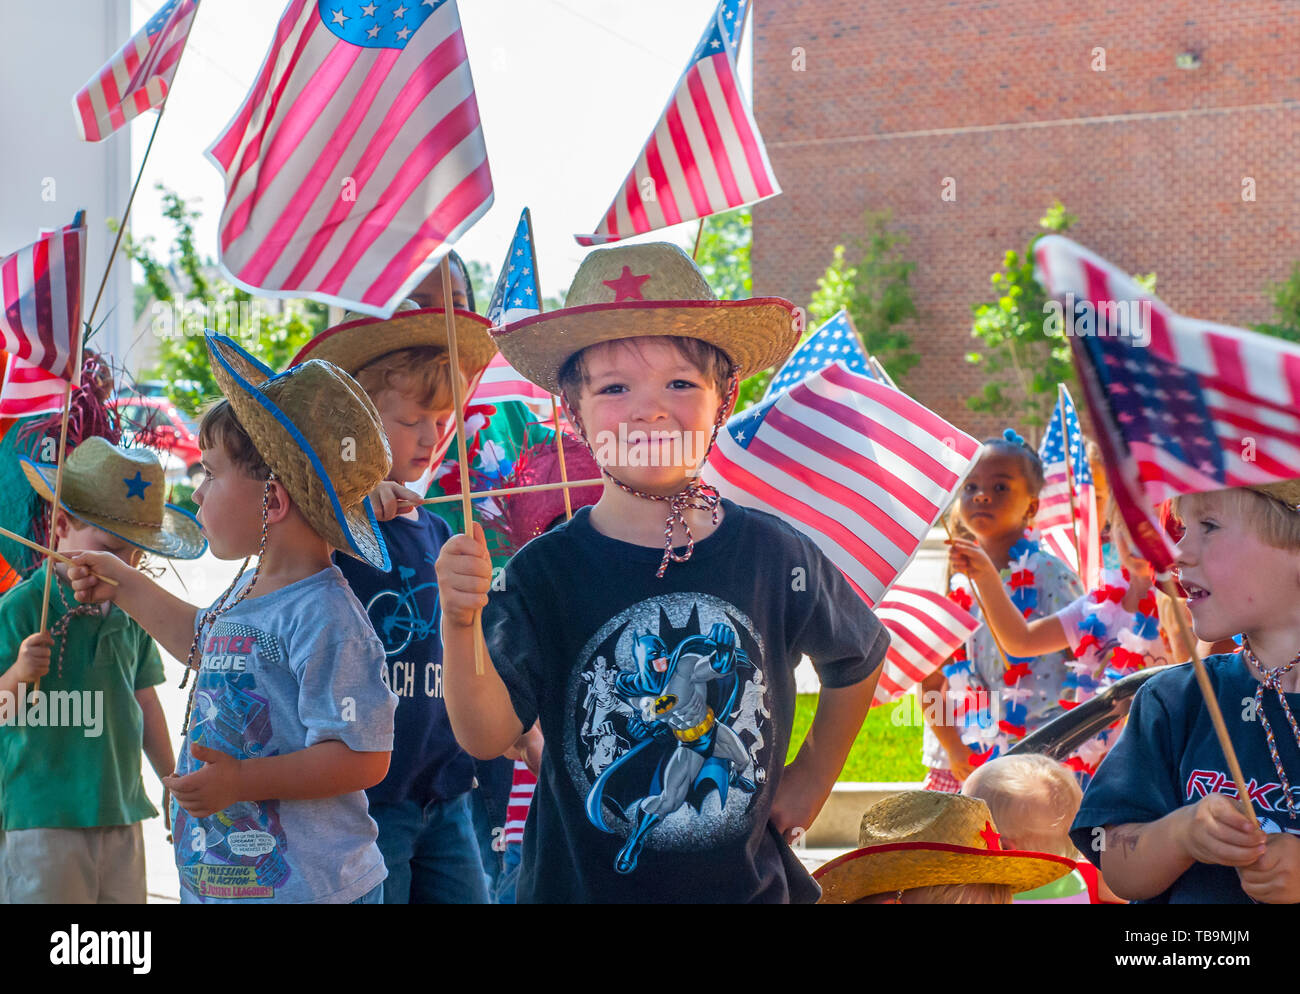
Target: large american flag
(836, 339)
(1067, 514)
(705, 155)
(925, 628)
(1181, 405)
(40, 294)
(859, 467)
(357, 158)
(138, 77)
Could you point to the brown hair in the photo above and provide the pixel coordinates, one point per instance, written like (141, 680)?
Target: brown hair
(1272, 521)
(220, 426)
(711, 361)
(422, 373)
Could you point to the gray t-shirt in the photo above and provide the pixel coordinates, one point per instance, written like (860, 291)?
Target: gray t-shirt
(280, 673)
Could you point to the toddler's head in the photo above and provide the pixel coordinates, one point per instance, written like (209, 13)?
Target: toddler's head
(234, 477)
(1033, 800)
(1000, 495)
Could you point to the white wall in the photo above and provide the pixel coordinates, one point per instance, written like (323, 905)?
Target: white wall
(51, 47)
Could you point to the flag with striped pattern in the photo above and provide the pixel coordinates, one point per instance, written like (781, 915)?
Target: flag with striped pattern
(40, 294)
(705, 155)
(859, 467)
(357, 159)
(1068, 514)
(138, 77)
(925, 628)
(27, 390)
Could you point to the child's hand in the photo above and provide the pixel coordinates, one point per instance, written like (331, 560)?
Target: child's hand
(528, 748)
(1274, 878)
(33, 660)
(969, 558)
(961, 765)
(796, 805)
(211, 788)
(88, 572)
(464, 576)
(1220, 833)
(390, 499)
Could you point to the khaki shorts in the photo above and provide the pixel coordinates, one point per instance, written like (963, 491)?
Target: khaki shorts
(73, 865)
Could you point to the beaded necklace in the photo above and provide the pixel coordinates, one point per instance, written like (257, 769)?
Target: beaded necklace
(59, 629)
(1272, 680)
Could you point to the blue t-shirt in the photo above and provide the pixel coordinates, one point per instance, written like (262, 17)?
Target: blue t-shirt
(1169, 756)
(402, 604)
(280, 673)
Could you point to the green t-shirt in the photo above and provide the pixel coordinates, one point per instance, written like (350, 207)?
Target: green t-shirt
(58, 774)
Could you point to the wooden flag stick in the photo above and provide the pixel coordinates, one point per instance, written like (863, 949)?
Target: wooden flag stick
(976, 594)
(1211, 703)
(15, 537)
(555, 407)
(458, 401)
(507, 491)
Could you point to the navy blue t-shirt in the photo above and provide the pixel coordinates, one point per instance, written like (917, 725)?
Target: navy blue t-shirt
(1168, 756)
(667, 705)
(402, 604)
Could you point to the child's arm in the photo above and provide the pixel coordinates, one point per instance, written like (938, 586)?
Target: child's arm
(958, 752)
(807, 782)
(482, 716)
(165, 616)
(157, 743)
(33, 662)
(1141, 860)
(1018, 636)
(326, 769)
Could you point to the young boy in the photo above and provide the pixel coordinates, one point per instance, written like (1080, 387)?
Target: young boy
(289, 719)
(71, 798)
(675, 805)
(1161, 819)
(422, 805)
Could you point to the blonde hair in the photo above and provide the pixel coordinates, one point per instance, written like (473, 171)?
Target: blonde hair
(1033, 800)
(960, 894)
(422, 373)
(1272, 521)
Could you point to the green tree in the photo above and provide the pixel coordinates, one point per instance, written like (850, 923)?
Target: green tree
(1286, 308)
(188, 296)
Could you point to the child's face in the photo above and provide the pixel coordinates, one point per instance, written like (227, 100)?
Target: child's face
(665, 405)
(429, 292)
(1235, 581)
(74, 536)
(413, 432)
(995, 499)
(230, 506)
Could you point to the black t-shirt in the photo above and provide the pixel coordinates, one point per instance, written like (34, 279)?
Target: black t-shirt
(1168, 756)
(402, 604)
(667, 705)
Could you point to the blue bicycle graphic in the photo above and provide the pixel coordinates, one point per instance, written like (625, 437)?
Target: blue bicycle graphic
(395, 614)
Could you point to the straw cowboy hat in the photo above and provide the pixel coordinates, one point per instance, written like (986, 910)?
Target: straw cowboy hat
(655, 289)
(361, 339)
(322, 437)
(120, 491)
(1287, 491)
(920, 838)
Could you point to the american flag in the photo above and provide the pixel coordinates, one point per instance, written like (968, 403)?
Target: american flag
(40, 290)
(836, 339)
(1181, 405)
(859, 467)
(357, 158)
(1062, 517)
(925, 628)
(28, 389)
(138, 77)
(705, 155)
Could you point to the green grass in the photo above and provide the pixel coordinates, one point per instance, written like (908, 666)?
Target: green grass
(887, 750)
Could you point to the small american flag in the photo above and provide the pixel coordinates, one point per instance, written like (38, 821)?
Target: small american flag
(357, 158)
(138, 77)
(925, 628)
(28, 390)
(705, 155)
(515, 295)
(40, 290)
(859, 467)
(1181, 405)
(1062, 519)
(836, 339)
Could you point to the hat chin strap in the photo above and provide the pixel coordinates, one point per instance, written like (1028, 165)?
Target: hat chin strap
(695, 496)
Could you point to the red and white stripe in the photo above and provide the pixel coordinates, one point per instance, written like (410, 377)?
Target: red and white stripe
(522, 787)
(502, 383)
(28, 390)
(40, 294)
(351, 171)
(134, 80)
(1057, 526)
(925, 628)
(857, 466)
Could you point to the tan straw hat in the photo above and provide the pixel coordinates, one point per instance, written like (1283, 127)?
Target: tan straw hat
(322, 437)
(920, 838)
(1287, 491)
(654, 289)
(121, 491)
(361, 339)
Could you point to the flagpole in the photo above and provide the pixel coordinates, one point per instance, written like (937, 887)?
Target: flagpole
(458, 402)
(1069, 478)
(566, 485)
(555, 407)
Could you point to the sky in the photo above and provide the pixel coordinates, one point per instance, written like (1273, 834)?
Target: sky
(568, 91)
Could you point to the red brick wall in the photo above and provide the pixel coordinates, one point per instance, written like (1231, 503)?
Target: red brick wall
(1000, 96)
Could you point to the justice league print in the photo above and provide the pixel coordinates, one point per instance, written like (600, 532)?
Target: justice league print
(669, 739)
